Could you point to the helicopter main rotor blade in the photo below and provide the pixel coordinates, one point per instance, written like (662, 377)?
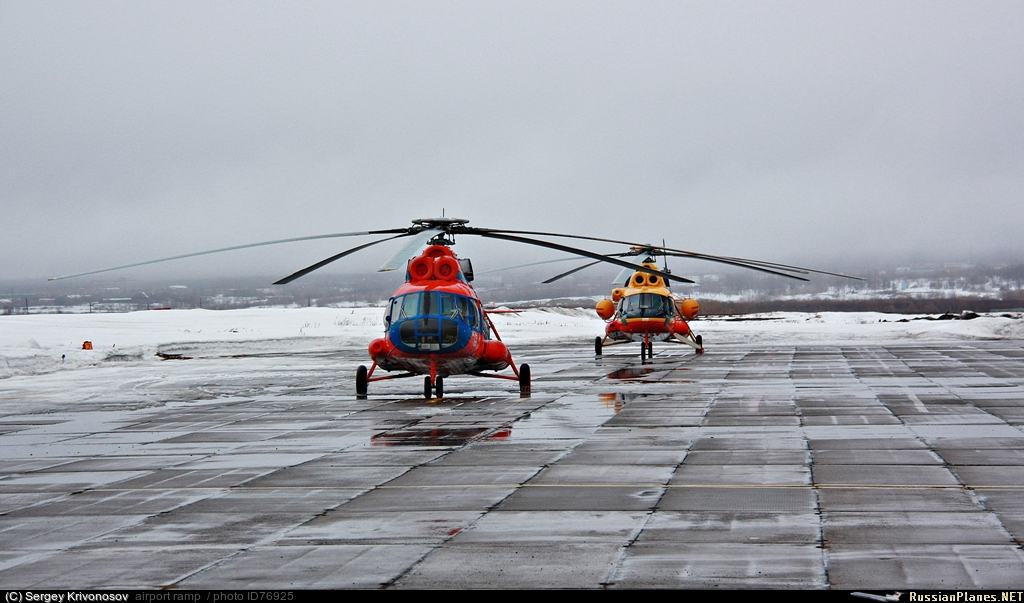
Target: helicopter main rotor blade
(559, 260)
(291, 277)
(582, 252)
(797, 268)
(518, 266)
(573, 271)
(735, 261)
(750, 264)
(738, 263)
(410, 249)
(235, 247)
(622, 278)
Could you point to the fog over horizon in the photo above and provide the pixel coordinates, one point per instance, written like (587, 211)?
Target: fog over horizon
(822, 134)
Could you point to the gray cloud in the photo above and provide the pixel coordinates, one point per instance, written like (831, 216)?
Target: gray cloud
(796, 131)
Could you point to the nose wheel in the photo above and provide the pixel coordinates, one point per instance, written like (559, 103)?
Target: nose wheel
(437, 388)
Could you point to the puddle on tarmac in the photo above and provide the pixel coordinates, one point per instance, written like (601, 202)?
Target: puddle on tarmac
(638, 372)
(617, 401)
(437, 437)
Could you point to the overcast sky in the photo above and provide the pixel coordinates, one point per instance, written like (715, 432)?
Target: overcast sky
(811, 132)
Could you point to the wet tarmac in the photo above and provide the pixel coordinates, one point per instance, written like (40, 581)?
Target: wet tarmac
(809, 466)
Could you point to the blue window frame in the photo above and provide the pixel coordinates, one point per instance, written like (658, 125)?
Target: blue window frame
(432, 321)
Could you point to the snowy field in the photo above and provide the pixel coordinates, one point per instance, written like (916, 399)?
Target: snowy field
(38, 344)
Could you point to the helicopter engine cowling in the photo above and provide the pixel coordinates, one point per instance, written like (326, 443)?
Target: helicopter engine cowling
(421, 268)
(446, 268)
(494, 352)
(380, 349)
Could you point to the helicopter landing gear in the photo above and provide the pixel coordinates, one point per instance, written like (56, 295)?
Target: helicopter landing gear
(646, 351)
(437, 387)
(597, 346)
(524, 380)
(361, 381)
(700, 344)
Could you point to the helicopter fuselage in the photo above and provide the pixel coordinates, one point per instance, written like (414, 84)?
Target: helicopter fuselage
(644, 311)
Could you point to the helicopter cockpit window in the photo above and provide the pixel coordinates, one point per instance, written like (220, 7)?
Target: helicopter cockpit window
(645, 305)
(428, 302)
(449, 306)
(429, 320)
(409, 307)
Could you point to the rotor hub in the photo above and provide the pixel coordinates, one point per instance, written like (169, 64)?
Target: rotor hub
(441, 223)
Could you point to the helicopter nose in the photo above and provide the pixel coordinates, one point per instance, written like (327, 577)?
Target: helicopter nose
(431, 333)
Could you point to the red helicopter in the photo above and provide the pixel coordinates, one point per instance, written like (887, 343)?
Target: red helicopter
(434, 324)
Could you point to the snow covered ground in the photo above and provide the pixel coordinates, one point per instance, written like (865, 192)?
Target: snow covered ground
(36, 344)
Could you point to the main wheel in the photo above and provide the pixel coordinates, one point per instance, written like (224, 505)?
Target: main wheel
(597, 346)
(361, 381)
(439, 387)
(524, 380)
(700, 344)
(426, 387)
